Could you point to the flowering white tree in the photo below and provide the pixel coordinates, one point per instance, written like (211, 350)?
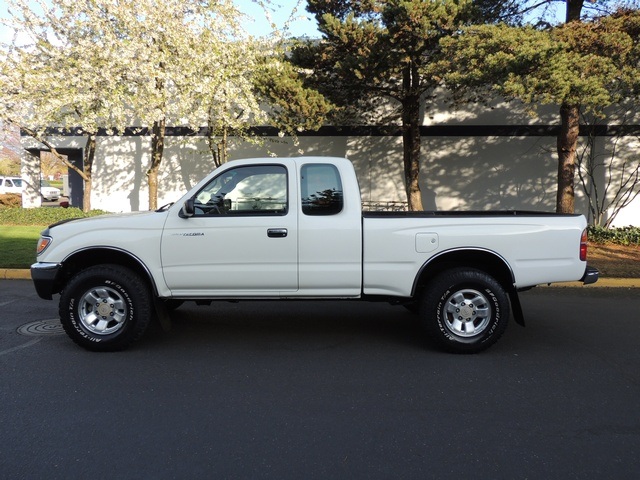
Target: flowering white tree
(215, 85)
(188, 62)
(113, 63)
(53, 75)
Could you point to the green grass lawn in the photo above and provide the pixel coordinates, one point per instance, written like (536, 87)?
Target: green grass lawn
(18, 245)
(20, 229)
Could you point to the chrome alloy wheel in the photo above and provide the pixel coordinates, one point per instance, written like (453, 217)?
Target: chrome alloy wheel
(102, 310)
(467, 313)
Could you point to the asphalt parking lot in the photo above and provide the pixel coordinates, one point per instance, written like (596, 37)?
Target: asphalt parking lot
(55, 203)
(324, 390)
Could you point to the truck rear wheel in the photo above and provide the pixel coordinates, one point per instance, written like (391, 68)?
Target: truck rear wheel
(464, 310)
(105, 308)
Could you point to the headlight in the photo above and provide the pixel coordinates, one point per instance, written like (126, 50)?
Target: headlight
(43, 243)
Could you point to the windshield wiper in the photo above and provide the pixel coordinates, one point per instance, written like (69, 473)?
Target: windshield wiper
(165, 207)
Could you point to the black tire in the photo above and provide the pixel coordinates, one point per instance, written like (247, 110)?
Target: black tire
(465, 310)
(105, 308)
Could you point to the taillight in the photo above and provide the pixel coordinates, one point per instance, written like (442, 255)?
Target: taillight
(583, 246)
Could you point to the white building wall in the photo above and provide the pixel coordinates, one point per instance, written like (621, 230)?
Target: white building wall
(490, 173)
(378, 165)
(626, 154)
(119, 181)
(457, 172)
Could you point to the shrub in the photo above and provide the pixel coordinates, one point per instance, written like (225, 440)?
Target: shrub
(10, 200)
(42, 215)
(622, 236)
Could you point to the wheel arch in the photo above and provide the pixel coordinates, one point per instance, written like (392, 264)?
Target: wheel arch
(488, 261)
(88, 257)
(482, 259)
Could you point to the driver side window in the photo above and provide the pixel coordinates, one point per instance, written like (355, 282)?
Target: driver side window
(250, 190)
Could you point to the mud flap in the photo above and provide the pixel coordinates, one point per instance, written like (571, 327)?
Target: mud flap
(163, 314)
(516, 307)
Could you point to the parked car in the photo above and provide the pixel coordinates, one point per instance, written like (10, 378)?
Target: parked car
(11, 185)
(48, 192)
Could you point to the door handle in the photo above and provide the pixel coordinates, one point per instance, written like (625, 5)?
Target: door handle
(277, 232)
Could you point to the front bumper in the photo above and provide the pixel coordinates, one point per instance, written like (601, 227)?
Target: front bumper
(590, 275)
(45, 279)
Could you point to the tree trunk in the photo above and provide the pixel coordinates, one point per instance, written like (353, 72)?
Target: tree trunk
(411, 139)
(218, 148)
(574, 9)
(568, 138)
(567, 146)
(87, 167)
(157, 149)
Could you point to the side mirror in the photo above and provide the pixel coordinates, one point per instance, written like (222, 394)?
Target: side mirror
(188, 209)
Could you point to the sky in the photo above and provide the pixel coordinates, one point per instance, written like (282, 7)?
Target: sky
(302, 22)
(280, 10)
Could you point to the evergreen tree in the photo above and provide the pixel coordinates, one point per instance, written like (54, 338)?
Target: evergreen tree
(582, 66)
(375, 56)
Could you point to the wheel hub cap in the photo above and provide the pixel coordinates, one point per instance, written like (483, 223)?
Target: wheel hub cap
(467, 313)
(102, 310)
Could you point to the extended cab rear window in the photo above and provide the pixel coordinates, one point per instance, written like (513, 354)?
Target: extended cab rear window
(321, 189)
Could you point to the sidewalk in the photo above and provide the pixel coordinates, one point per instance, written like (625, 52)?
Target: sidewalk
(24, 274)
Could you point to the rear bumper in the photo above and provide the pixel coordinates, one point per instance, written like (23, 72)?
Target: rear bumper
(590, 275)
(45, 279)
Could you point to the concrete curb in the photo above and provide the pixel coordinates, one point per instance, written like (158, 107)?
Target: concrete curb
(15, 274)
(25, 274)
(601, 283)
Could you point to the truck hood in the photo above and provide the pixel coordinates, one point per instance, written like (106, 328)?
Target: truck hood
(138, 233)
(115, 221)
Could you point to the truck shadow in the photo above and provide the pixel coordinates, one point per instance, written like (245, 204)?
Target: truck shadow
(298, 325)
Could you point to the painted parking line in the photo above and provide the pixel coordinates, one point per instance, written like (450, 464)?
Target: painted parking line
(20, 347)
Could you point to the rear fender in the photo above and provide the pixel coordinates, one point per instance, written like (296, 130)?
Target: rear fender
(486, 260)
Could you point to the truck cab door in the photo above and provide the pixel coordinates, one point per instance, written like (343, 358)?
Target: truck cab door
(239, 239)
(330, 229)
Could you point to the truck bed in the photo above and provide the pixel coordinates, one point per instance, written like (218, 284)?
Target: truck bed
(465, 213)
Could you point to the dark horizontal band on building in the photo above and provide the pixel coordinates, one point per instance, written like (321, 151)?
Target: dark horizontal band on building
(380, 131)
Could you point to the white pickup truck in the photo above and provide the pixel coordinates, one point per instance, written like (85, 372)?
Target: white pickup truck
(293, 228)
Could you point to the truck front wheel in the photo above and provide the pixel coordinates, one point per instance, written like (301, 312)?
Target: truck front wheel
(464, 310)
(105, 308)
